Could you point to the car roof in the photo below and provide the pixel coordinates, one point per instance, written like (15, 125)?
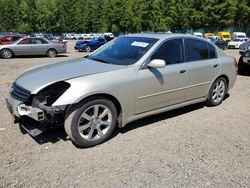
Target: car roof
(10, 35)
(161, 35)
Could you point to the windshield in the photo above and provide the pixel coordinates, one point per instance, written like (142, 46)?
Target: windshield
(226, 36)
(123, 50)
(237, 40)
(18, 40)
(241, 36)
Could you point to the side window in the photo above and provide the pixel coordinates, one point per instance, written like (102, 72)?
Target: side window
(171, 51)
(15, 38)
(6, 39)
(212, 51)
(39, 41)
(197, 50)
(25, 41)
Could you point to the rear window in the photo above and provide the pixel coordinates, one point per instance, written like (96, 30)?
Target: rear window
(197, 50)
(211, 51)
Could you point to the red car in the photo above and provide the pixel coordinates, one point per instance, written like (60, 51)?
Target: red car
(9, 39)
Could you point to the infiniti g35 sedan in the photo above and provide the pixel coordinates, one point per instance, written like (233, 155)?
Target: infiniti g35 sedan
(128, 78)
(32, 46)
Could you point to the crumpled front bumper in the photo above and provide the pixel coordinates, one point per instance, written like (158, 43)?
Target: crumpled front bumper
(35, 120)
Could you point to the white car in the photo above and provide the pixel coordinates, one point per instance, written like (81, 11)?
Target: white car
(198, 34)
(239, 35)
(236, 43)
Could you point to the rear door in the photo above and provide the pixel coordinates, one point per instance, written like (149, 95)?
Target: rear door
(204, 66)
(40, 46)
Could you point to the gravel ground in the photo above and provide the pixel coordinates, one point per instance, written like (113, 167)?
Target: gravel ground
(195, 146)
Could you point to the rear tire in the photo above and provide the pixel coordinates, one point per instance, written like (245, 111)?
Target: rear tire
(217, 92)
(6, 53)
(91, 122)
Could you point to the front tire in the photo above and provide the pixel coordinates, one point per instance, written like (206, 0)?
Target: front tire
(217, 92)
(91, 123)
(87, 49)
(6, 53)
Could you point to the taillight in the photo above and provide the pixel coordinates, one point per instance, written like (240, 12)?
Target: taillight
(235, 63)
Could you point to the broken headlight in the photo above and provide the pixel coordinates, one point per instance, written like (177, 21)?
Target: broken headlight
(51, 93)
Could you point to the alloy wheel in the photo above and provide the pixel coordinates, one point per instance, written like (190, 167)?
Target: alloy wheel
(6, 53)
(95, 122)
(219, 91)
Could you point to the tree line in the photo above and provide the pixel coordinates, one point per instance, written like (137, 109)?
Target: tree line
(121, 15)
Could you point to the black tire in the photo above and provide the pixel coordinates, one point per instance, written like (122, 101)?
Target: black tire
(6, 53)
(241, 66)
(87, 49)
(51, 53)
(90, 136)
(211, 99)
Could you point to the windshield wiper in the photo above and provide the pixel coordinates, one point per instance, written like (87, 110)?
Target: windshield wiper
(101, 60)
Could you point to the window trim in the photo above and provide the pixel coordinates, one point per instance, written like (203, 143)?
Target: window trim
(23, 40)
(147, 61)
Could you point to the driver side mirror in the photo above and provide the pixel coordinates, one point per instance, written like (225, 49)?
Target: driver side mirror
(157, 63)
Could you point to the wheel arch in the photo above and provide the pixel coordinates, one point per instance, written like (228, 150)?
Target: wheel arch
(225, 77)
(109, 97)
(8, 49)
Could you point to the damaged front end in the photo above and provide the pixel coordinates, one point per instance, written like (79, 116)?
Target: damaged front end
(36, 113)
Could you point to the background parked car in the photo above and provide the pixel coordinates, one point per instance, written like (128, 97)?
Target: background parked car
(236, 42)
(220, 43)
(9, 39)
(32, 46)
(88, 46)
(48, 36)
(240, 35)
(244, 63)
(198, 34)
(208, 35)
(244, 47)
(224, 35)
(36, 35)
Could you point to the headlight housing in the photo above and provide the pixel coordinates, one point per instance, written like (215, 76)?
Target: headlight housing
(51, 93)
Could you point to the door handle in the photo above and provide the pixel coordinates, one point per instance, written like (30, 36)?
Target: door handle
(183, 71)
(216, 65)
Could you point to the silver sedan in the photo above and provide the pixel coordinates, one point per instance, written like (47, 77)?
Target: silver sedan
(32, 46)
(130, 77)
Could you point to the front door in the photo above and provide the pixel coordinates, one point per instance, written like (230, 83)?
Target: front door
(24, 47)
(157, 88)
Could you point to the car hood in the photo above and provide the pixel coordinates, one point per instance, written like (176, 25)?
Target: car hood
(37, 78)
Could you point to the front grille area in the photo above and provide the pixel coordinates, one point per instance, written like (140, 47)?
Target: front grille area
(19, 93)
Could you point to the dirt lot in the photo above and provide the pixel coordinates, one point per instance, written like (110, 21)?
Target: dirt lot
(195, 146)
